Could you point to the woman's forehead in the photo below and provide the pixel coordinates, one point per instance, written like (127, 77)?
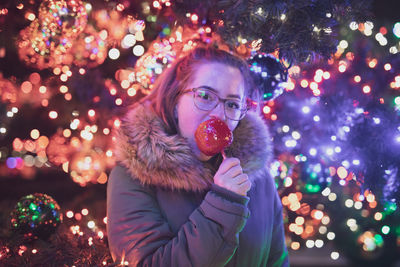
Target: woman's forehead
(219, 76)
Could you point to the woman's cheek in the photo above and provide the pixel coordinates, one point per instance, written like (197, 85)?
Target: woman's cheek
(232, 125)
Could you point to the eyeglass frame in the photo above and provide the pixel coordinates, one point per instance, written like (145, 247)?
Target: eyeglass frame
(243, 112)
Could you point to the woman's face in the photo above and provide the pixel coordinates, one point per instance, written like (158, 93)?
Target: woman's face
(227, 82)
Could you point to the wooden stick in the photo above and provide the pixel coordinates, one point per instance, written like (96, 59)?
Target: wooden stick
(223, 154)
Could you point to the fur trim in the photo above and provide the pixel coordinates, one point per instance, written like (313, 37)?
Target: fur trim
(156, 158)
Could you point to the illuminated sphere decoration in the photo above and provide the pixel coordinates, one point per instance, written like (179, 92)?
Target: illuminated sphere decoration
(150, 65)
(269, 75)
(59, 150)
(67, 18)
(314, 177)
(38, 47)
(33, 49)
(46, 41)
(8, 91)
(86, 167)
(89, 50)
(371, 244)
(36, 216)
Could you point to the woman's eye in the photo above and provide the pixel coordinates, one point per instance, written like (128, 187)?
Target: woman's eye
(233, 105)
(205, 95)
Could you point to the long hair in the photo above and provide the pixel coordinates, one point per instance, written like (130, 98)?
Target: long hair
(170, 84)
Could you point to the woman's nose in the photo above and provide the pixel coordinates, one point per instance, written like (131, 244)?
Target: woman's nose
(218, 111)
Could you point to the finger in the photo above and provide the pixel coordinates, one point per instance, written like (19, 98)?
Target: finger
(234, 171)
(240, 179)
(244, 188)
(227, 164)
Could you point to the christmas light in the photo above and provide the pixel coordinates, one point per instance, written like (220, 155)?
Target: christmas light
(295, 245)
(304, 83)
(342, 172)
(266, 109)
(396, 29)
(385, 229)
(306, 110)
(296, 135)
(53, 114)
(85, 212)
(343, 44)
(113, 53)
(310, 243)
(358, 205)
(353, 25)
(332, 197)
(335, 255)
(349, 203)
(313, 152)
(366, 89)
(91, 224)
(128, 41)
(138, 50)
(35, 134)
(319, 243)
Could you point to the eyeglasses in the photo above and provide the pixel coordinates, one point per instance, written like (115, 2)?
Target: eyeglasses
(205, 99)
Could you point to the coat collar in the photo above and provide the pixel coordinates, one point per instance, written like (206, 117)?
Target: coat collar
(156, 158)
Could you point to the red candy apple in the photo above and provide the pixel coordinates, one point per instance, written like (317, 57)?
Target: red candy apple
(213, 136)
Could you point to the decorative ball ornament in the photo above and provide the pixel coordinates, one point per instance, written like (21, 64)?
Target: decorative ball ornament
(315, 177)
(59, 150)
(364, 245)
(213, 136)
(163, 51)
(63, 18)
(89, 49)
(45, 43)
(36, 216)
(149, 66)
(8, 91)
(269, 75)
(115, 23)
(371, 243)
(86, 167)
(39, 49)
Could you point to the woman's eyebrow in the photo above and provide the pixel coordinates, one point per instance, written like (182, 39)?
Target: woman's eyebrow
(216, 91)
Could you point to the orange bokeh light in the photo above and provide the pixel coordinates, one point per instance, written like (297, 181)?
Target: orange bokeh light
(26, 87)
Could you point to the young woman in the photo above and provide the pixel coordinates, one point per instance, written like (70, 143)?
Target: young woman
(168, 204)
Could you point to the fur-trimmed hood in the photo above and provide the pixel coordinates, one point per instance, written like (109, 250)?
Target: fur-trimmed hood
(157, 158)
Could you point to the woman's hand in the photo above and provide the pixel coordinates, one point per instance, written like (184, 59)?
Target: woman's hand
(230, 176)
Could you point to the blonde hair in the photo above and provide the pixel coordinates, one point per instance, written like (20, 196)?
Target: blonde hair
(170, 84)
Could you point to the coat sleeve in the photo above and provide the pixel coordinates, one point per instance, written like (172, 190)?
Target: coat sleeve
(278, 255)
(139, 234)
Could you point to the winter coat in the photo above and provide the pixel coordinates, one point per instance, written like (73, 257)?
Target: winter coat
(164, 210)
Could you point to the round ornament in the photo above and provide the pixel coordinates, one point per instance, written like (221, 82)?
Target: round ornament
(89, 50)
(36, 216)
(63, 18)
(59, 150)
(39, 49)
(86, 167)
(315, 177)
(269, 75)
